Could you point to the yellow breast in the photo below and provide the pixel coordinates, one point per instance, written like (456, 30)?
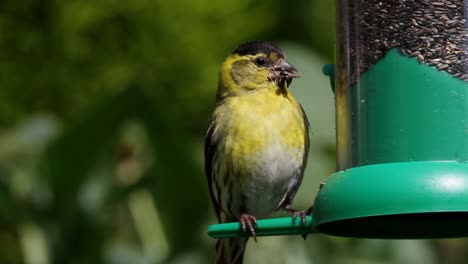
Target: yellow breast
(254, 122)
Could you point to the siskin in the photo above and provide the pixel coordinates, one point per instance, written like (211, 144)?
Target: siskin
(257, 142)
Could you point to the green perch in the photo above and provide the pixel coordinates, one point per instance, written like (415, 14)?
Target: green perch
(265, 227)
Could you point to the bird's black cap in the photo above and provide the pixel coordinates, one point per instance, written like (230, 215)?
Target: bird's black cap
(257, 46)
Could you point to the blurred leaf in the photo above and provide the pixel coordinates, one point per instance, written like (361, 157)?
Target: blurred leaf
(67, 165)
(178, 184)
(11, 211)
(70, 158)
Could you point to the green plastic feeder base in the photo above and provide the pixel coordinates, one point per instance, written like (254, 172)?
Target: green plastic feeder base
(407, 200)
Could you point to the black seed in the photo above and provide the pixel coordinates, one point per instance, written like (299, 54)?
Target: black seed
(433, 32)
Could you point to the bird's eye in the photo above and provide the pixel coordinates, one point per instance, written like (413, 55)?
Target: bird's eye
(260, 61)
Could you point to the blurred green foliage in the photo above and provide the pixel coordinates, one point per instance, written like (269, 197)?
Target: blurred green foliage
(103, 107)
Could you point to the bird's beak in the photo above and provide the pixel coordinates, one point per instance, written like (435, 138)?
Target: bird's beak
(285, 70)
(283, 73)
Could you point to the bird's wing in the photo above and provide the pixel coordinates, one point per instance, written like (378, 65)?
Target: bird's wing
(210, 149)
(306, 144)
(287, 201)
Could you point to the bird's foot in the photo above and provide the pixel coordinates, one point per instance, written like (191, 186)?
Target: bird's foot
(247, 224)
(302, 213)
(299, 213)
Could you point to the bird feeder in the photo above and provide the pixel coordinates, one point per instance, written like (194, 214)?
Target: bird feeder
(401, 89)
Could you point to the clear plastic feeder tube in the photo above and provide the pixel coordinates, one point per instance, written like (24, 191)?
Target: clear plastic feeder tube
(401, 81)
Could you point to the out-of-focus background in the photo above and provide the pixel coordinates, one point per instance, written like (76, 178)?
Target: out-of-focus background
(103, 109)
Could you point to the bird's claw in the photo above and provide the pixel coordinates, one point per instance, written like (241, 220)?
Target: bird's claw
(300, 213)
(310, 210)
(247, 224)
(303, 214)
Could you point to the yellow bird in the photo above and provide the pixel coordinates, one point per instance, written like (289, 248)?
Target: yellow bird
(257, 142)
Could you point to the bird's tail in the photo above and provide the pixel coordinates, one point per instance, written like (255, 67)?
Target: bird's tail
(230, 250)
